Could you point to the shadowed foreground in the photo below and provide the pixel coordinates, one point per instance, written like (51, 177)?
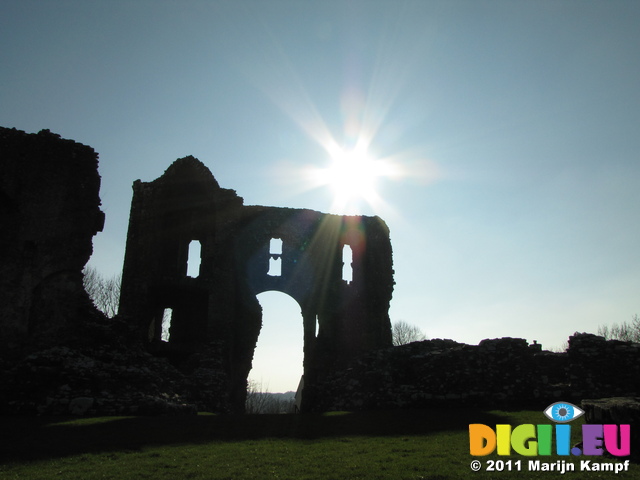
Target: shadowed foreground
(29, 438)
(406, 444)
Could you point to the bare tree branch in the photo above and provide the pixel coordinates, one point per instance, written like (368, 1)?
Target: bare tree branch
(625, 331)
(259, 400)
(105, 292)
(403, 333)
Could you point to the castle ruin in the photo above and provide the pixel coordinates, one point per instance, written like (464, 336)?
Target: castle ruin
(60, 355)
(244, 251)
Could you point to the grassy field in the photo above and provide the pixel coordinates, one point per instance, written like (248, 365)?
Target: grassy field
(415, 445)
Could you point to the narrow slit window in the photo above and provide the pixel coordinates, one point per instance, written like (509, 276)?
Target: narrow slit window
(194, 258)
(167, 316)
(347, 260)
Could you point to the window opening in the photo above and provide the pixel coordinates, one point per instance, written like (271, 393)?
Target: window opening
(275, 246)
(167, 316)
(347, 260)
(194, 258)
(275, 267)
(275, 257)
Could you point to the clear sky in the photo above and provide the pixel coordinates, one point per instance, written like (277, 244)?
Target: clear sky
(499, 140)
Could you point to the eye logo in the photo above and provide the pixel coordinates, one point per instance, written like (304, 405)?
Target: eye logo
(562, 412)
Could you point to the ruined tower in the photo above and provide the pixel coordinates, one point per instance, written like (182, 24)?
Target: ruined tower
(244, 251)
(49, 213)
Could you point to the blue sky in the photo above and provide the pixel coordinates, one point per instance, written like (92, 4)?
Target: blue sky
(510, 129)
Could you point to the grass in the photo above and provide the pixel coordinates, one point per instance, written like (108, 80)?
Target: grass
(413, 445)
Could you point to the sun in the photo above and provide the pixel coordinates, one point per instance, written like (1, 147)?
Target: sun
(352, 175)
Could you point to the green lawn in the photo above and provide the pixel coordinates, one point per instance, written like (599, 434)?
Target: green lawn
(420, 444)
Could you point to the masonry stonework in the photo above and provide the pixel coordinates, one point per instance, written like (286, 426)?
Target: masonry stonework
(49, 213)
(60, 355)
(496, 373)
(217, 306)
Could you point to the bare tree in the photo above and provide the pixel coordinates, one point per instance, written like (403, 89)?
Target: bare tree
(626, 331)
(261, 401)
(562, 348)
(403, 333)
(255, 397)
(105, 292)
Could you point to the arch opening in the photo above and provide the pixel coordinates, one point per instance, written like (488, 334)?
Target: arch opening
(278, 358)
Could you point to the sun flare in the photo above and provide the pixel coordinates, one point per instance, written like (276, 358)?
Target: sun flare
(352, 174)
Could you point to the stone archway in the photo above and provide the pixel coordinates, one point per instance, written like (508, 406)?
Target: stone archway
(279, 354)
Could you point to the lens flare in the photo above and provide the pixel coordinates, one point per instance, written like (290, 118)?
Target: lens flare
(354, 174)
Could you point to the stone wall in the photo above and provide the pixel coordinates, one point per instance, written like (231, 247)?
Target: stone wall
(601, 368)
(497, 373)
(49, 213)
(105, 381)
(58, 353)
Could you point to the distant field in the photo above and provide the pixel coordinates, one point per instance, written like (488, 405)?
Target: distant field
(415, 445)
